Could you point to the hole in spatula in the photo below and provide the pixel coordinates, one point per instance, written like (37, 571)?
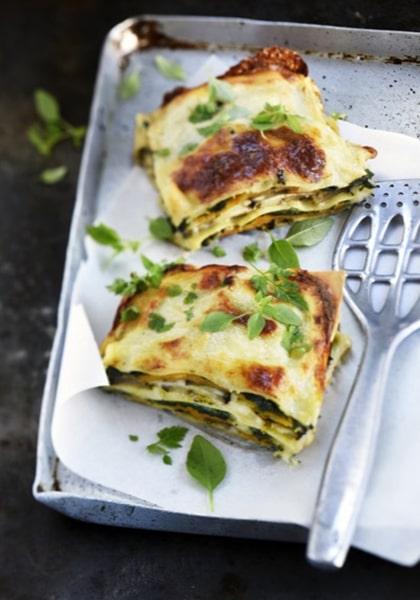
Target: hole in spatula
(378, 294)
(414, 263)
(410, 296)
(362, 230)
(386, 263)
(394, 232)
(355, 258)
(354, 282)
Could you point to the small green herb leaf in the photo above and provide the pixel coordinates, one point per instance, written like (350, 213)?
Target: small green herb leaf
(221, 90)
(205, 463)
(281, 253)
(174, 290)
(187, 149)
(190, 298)
(189, 313)
(51, 176)
(169, 69)
(46, 106)
(158, 323)
(162, 153)
(167, 459)
(156, 448)
(216, 321)
(106, 236)
(282, 314)
(293, 342)
(171, 437)
(129, 85)
(131, 313)
(260, 283)
(288, 291)
(256, 324)
(339, 115)
(310, 232)
(133, 438)
(218, 251)
(274, 115)
(134, 285)
(203, 112)
(211, 129)
(252, 253)
(155, 272)
(161, 228)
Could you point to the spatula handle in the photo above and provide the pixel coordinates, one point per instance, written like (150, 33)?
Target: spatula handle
(349, 461)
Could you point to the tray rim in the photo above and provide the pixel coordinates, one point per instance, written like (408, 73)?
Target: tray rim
(123, 510)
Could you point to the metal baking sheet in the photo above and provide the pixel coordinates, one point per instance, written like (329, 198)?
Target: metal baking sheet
(370, 75)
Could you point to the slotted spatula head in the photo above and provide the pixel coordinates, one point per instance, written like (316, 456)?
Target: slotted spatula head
(379, 248)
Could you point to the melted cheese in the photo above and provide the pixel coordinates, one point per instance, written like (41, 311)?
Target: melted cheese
(280, 167)
(251, 387)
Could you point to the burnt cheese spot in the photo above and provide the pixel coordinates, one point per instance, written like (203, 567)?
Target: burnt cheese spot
(225, 162)
(262, 378)
(174, 348)
(274, 58)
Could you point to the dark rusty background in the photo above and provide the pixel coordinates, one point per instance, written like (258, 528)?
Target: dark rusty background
(44, 556)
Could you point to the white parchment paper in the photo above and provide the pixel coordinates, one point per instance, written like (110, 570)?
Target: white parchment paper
(90, 428)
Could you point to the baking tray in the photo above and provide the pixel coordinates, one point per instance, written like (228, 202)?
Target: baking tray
(370, 75)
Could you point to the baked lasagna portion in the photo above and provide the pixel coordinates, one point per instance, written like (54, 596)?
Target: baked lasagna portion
(176, 354)
(250, 149)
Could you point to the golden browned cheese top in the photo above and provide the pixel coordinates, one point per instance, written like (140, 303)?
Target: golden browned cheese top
(228, 359)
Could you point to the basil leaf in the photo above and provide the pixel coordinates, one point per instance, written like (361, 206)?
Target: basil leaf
(158, 323)
(221, 90)
(282, 314)
(252, 252)
(169, 69)
(256, 324)
(275, 115)
(190, 298)
(129, 85)
(106, 236)
(339, 115)
(187, 149)
(216, 321)
(133, 438)
(46, 106)
(163, 153)
(171, 437)
(218, 251)
(260, 283)
(174, 290)
(294, 122)
(134, 285)
(281, 253)
(167, 459)
(288, 291)
(156, 448)
(309, 232)
(211, 129)
(203, 112)
(205, 463)
(51, 176)
(189, 314)
(161, 228)
(293, 342)
(131, 313)
(77, 134)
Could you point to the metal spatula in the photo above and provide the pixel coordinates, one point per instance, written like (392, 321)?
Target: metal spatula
(379, 248)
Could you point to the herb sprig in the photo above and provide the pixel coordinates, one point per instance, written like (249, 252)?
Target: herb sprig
(169, 438)
(51, 128)
(136, 283)
(274, 115)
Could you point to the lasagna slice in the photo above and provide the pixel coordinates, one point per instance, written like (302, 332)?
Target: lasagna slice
(250, 149)
(174, 354)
